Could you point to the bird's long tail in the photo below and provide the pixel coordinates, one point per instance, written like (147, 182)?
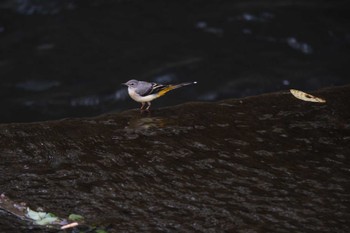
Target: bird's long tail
(172, 87)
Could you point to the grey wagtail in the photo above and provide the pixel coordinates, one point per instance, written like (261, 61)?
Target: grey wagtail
(144, 92)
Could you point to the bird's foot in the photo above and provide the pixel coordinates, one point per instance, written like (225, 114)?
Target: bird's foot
(145, 107)
(146, 111)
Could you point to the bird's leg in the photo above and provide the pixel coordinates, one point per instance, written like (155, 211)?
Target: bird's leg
(142, 106)
(149, 105)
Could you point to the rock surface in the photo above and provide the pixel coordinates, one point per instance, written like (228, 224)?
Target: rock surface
(259, 164)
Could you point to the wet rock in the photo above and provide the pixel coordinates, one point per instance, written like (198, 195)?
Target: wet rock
(264, 163)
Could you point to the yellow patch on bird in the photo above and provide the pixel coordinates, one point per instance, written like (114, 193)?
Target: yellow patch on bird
(306, 97)
(165, 90)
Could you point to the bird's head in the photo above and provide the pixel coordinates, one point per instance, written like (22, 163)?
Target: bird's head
(131, 83)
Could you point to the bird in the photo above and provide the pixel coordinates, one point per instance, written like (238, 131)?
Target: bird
(144, 92)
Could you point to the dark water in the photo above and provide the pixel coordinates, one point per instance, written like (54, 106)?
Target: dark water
(264, 164)
(67, 58)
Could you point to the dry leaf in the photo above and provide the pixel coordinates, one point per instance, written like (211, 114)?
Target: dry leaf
(306, 97)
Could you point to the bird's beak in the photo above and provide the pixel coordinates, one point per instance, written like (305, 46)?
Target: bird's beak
(124, 84)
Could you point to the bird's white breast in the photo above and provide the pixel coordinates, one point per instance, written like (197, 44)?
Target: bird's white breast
(139, 98)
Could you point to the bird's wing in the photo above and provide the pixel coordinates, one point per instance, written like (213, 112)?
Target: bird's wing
(150, 88)
(143, 88)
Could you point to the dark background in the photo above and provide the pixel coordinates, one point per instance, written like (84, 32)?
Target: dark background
(68, 58)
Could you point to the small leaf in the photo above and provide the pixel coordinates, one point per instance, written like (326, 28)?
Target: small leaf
(42, 214)
(75, 217)
(46, 221)
(32, 214)
(51, 215)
